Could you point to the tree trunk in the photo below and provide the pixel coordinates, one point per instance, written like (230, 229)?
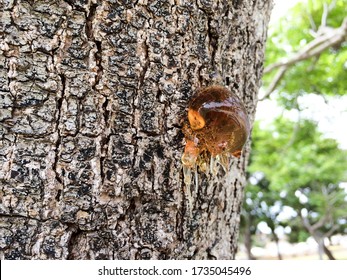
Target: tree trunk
(279, 255)
(320, 242)
(248, 236)
(328, 252)
(93, 95)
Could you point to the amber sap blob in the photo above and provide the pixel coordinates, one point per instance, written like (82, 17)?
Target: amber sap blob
(218, 125)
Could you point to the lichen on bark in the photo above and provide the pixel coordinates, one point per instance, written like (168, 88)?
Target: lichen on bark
(92, 98)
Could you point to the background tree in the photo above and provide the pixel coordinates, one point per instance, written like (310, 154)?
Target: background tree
(304, 170)
(261, 204)
(310, 40)
(305, 55)
(93, 94)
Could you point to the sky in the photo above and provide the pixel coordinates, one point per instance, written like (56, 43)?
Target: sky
(280, 8)
(330, 114)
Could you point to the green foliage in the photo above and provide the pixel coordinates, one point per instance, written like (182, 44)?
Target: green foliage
(325, 74)
(296, 159)
(297, 234)
(292, 155)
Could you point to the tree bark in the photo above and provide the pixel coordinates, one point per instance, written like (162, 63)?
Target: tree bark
(93, 95)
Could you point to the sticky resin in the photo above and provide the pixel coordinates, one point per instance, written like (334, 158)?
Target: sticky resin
(217, 129)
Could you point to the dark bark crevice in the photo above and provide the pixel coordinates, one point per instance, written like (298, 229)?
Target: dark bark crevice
(73, 241)
(18, 216)
(58, 136)
(146, 64)
(213, 42)
(89, 29)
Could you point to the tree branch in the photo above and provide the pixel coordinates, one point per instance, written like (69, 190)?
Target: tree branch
(313, 228)
(325, 15)
(330, 38)
(331, 231)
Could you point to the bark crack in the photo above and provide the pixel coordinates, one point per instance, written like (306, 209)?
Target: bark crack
(90, 17)
(105, 140)
(146, 64)
(58, 141)
(11, 157)
(90, 33)
(18, 216)
(213, 42)
(75, 233)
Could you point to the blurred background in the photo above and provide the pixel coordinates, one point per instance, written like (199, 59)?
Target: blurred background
(295, 204)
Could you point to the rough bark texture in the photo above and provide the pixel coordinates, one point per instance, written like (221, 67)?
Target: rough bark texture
(93, 94)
